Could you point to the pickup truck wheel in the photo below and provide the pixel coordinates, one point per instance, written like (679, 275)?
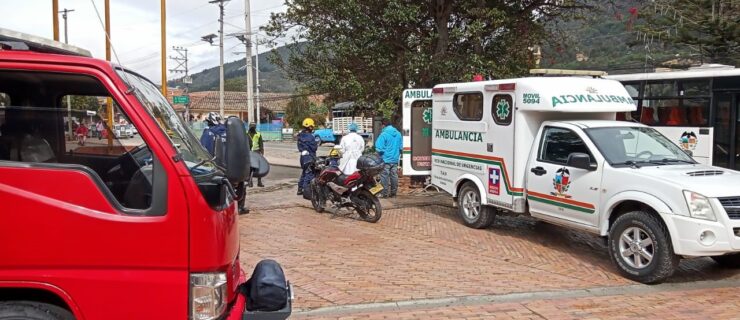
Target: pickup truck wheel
(728, 260)
(473, 213)
(29, 310)
(640, 247)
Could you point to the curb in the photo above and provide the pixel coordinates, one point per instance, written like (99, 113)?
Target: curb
(520, 297)
(283, 162)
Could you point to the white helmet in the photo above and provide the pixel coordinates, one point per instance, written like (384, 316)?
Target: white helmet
(213, 119)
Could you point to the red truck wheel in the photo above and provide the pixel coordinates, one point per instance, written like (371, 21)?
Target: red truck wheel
(29, 310)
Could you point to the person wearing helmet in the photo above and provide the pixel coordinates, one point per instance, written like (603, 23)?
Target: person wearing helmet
(307, 146)
(334, 157)
(256, 145)
(215, 130)
(352, 145)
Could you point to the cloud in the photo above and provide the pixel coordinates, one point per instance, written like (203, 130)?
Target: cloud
(135, 28)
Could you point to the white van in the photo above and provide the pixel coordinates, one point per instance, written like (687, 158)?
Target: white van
(550, 147)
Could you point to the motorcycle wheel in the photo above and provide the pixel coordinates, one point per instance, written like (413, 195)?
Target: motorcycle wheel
(368, 206)
(317, 198)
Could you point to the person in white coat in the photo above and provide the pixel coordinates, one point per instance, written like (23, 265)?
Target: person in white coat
(351, 146)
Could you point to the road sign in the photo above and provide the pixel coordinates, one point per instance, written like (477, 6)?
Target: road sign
(187, 80)
(181, 99)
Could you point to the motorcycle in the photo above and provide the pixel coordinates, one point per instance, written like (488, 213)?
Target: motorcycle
(358, 190)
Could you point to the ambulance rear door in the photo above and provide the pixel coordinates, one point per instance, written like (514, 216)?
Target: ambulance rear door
(417, 132)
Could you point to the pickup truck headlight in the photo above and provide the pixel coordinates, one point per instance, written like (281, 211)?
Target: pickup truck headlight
(699, 206)
(207, 295)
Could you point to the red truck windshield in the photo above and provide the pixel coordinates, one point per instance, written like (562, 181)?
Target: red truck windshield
(181, 136)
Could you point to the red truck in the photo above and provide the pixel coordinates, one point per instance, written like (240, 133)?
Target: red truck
(141, 228)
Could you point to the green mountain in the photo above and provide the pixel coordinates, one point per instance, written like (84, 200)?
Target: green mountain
(272, 79)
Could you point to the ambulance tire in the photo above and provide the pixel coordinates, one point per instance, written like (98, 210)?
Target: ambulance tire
(643, 224)
(30, 310)
(728, 260)
(472, 212)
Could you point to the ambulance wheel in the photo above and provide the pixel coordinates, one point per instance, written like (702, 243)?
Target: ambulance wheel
(473, 213)
(29, 310)
(640, 246)
(728, 260)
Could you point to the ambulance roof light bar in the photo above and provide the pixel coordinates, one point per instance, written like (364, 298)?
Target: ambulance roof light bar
(565, 72)
(444, 90)
(12, 40)
(501, 87)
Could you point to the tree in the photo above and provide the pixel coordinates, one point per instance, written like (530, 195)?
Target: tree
(369, 51)
(299, 108)
(709, 28)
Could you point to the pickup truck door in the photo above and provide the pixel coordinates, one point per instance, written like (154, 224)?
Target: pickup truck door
(557, 190)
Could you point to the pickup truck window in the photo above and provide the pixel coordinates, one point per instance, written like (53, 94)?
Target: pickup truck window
(558, 143)
(66, 124)
(636, 145)
(468, 106)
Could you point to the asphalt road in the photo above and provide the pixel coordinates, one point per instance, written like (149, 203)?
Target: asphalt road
(290, 147)
(279, 173)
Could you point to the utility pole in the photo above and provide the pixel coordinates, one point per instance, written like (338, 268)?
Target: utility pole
(55, 19)
(248, 42)
(257, 77)
(163, 31)
(221, 54)
(69, 99)
(182, 67)
(64, 16)
(109, 100)
(181, 59)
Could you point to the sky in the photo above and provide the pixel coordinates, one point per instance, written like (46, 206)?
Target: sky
(135, 29)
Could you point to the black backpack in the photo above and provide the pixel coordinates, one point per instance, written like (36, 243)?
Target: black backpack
(267, 289)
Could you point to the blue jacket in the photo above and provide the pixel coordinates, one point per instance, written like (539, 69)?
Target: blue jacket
(208, 139)
(389, 145)
(306, 142)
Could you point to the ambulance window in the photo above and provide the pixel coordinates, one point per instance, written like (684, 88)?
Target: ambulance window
(558, 143)
(468, 106)
(502, 109)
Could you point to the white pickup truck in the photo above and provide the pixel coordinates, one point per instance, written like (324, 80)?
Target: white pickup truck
(550, 148)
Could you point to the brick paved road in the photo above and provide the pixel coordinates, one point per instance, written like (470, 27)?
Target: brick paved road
(424, 254)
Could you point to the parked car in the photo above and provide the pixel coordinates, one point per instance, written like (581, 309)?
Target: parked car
(123, 131)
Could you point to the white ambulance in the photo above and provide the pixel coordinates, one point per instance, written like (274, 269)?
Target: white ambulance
(551, 148)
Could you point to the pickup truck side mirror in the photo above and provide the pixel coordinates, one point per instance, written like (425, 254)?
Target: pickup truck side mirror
(581, 161)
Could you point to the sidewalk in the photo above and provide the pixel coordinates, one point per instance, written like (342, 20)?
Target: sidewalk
(281, 157)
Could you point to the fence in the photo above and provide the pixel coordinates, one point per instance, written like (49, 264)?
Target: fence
(269, 131)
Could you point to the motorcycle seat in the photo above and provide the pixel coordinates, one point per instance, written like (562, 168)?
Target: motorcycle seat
(341, 179)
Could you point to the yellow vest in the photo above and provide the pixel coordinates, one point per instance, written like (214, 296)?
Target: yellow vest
(256, 141)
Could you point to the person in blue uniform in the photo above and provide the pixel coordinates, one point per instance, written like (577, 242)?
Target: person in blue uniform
(307, 146)
(215, 130)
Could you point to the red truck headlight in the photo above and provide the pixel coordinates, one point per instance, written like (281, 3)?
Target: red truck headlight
(207, 295)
